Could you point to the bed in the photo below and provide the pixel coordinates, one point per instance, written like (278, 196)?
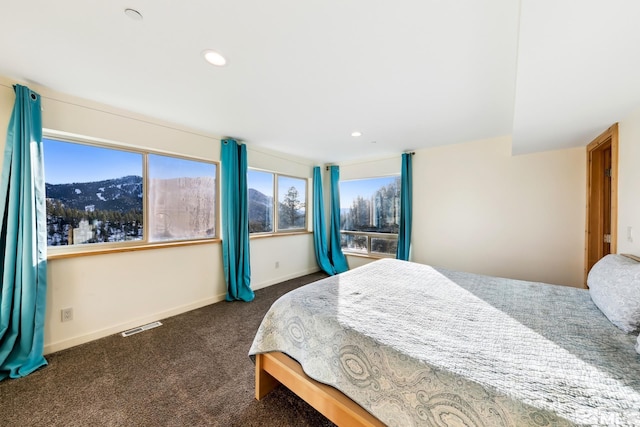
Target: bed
(403, 344)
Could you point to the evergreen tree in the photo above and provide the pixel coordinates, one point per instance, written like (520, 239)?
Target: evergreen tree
(290, 209)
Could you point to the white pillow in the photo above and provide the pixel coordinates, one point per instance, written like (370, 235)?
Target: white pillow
(614, 286)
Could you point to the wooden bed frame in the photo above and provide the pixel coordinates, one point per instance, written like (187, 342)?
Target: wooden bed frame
(277, 368)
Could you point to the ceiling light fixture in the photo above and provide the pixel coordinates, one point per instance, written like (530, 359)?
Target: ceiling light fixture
(133, 14)
(356, 134)
(214, 58)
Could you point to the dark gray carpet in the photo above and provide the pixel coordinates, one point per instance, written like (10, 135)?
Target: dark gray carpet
(192, 371)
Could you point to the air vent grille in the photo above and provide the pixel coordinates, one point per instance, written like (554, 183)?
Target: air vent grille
(141, 328)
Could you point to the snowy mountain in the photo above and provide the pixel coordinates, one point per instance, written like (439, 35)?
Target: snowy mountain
(120, 194)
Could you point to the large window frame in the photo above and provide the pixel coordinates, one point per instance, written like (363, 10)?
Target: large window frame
(370, 243)
(73, 250)
(275, 211)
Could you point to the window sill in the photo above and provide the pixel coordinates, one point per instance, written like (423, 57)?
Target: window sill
(118, 249)
(282, 234)
(369, 256)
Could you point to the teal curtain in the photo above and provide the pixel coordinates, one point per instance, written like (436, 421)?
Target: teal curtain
(319, 230)
(338, 259)
(23, 241)
(406, 194)
(235, 221)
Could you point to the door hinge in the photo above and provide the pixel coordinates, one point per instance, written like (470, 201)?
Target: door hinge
(607, 238)
(607, 172)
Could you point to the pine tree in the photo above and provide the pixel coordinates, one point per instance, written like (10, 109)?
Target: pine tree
(290, 209)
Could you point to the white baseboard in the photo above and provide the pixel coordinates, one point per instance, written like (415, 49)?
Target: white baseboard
(267, 283)
(85, 338)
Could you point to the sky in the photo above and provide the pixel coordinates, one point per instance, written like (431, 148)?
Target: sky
(285, 183)
(66, 162)
(351, 189)
(172, 167)
(261, 181)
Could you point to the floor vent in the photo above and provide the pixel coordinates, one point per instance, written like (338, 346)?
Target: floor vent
(141, 328)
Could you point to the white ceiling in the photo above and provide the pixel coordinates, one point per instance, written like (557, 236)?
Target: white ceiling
(303, 74)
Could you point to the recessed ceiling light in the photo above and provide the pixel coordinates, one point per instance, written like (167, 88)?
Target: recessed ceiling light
(214, 58)
(356, 133)
(133, 14)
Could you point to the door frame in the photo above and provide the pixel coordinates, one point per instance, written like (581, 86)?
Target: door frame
(593, 149)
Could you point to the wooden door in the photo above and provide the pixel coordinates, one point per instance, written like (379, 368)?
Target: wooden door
(605, 177)
(602, 204)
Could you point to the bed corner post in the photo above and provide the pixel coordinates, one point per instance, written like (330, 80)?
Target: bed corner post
(264, 381)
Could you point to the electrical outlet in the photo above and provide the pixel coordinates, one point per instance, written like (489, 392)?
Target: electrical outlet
(66, 314)
(277, 264)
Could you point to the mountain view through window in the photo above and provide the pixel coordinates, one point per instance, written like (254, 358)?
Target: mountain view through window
(95, 194)
(290, 202)
(370, 215)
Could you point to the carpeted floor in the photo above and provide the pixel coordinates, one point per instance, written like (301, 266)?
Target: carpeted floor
(192, 371)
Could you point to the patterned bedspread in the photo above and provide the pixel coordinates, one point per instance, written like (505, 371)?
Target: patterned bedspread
(419, 346)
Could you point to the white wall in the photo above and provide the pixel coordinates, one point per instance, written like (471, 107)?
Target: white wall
(293, 254)
(113, 292)
(628, 184)
(493, 213)
(477, 208)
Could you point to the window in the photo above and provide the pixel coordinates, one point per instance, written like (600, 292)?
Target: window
(292, 197)
(182, 199)
(289, 206)
(260, 201)
(370, 215)
(96, 195)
